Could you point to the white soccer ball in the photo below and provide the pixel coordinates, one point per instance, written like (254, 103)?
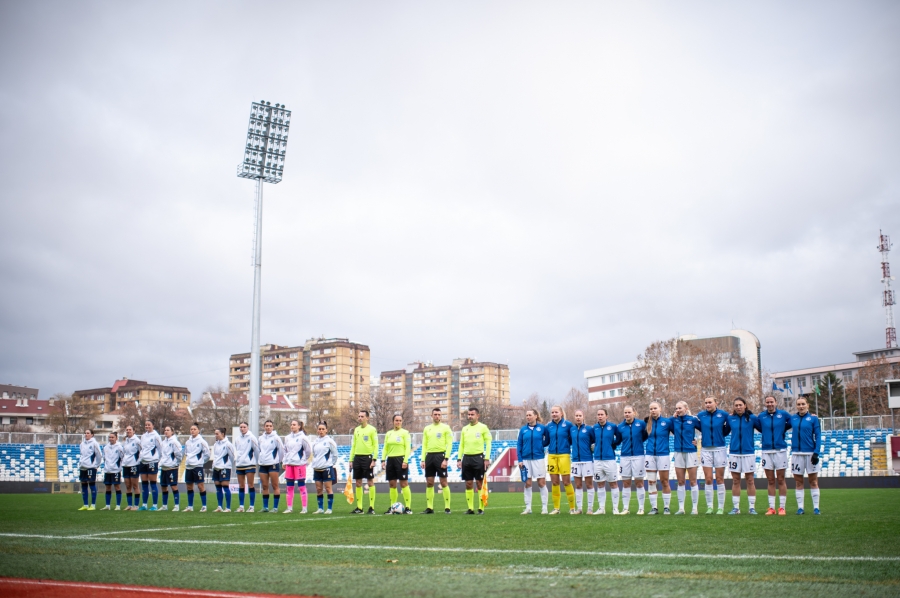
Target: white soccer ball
(397, 508)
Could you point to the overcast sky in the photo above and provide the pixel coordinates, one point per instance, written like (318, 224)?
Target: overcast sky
(550, 185)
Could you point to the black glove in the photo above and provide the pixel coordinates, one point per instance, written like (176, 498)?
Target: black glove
(815, 459)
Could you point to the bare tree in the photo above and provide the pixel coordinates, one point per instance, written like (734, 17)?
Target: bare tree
(576, 399)
(383, 406)
(222, 411)
(496, 414)
(162, 415)
(69, 415)
(869, 386)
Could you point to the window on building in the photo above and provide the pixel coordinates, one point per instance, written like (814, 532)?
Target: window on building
(801, 382)
(847, 376)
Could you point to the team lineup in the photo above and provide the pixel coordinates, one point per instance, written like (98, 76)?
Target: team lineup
(579, 459)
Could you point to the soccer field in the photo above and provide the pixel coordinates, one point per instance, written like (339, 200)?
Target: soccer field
(852, 549)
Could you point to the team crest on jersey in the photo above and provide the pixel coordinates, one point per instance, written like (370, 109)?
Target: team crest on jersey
(778, 416)
(398, 439)
(718, 415)
(663, 424)
(477, 434)
(366, 438)
(438, 434)
(584, 431)
(564, 425)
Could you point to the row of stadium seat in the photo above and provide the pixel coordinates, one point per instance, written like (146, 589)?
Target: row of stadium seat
(846, 453)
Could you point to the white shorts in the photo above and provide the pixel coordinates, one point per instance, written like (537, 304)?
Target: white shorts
(537, 468)
(713, 457)
(583, 469)
(742, 463)
(606, 471)
(802, 464)
(631, 467)
(660, 463)
(774, 460)
(686, 460)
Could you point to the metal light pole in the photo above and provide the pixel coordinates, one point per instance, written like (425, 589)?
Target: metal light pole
(267, 137)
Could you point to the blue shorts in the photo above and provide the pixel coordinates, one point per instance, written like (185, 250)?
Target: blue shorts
(87, 475)
(322, 475)
(221, 475)
(112, 479)
(148, 468)
(194, 475)
(169, 477)
(270, 468)
(245, 470)
(130, 471)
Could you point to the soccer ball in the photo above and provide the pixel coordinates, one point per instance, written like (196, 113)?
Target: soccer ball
(397, 508)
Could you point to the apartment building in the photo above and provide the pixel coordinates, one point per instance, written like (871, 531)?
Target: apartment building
(11, 391)
(451, 387)
(109, 399)
(334, 370)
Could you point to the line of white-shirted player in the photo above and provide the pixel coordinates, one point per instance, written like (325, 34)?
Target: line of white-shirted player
(586, 454)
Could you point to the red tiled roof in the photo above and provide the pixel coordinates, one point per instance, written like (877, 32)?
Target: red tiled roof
(8, 407)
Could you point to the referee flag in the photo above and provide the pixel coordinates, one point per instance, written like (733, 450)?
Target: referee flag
(484, 492)
(348, 491)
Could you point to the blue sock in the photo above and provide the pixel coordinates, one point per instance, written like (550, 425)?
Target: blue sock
(219, 494)
(227, 491)
(275, 499)
(330, 501)
(93, 493)
(203, 498)
(265, 501)
(154, 489)
(321, 500)
(190, 498)
(118, 498)
(165, 493)
(252, 497)
(175, 497)
(145, 492)
(241, 496)
(128, 496)
(84, 493)
(108, 497)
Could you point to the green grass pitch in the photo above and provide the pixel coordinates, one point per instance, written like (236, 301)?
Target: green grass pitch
(500, 553)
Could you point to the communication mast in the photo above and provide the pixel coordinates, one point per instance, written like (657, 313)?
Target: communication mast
(890, 333)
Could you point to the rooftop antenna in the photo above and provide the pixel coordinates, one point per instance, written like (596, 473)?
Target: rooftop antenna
(888, 300)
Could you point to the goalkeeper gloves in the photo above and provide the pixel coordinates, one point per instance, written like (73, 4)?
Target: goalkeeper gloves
(815, 459)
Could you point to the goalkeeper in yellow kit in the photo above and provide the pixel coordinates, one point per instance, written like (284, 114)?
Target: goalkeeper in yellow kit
(474, 457)
(437, 442)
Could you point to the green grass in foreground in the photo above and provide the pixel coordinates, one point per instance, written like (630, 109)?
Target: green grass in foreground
(856, 523)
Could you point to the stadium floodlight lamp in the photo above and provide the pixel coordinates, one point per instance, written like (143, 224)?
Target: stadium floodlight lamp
(267, 136)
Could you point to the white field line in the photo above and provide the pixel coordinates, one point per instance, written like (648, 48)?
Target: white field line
(124, 589)
(591, 553)
(168, 529)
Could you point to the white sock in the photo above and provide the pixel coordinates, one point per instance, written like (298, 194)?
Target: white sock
(626, 497)
(721, 493)
(799, 494)
(640, 497)
(579, 498)
(590, 499)
(601, 497)
(708, 489)
(667, 499)
(736, 501)
(814, 492)
(695, 495)
(771, 502)
(544, 495)
(615, 497)
(752, 501)
(528, 497)
(652, 497)
(782, 500)
(680, 497)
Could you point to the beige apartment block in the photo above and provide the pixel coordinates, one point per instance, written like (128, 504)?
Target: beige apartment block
(124, 391)
(334, 370)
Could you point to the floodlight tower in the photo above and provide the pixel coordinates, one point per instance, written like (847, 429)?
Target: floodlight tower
(890, 333)
(267, 137)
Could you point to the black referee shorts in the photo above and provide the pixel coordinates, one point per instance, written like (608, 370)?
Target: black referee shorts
(362, 467)
(393, 469)
(433, 465)
(472, 467)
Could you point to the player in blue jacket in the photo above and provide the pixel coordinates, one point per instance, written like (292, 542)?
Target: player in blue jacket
(742, 454)
(633, 432)
(713, 430)
(658, 459)
(582, 462)
(684, 428)
(806, 444)
(531, 448)
(559, 460)
(773, 424)
(606, 471)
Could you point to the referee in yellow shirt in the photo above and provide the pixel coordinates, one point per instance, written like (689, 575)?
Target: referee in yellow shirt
(363, 453)
(437, 442)
(474, 457)
(395, 455)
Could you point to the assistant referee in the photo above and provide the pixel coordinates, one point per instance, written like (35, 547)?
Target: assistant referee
(474, 457)
(363, 452)
(437, 442)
